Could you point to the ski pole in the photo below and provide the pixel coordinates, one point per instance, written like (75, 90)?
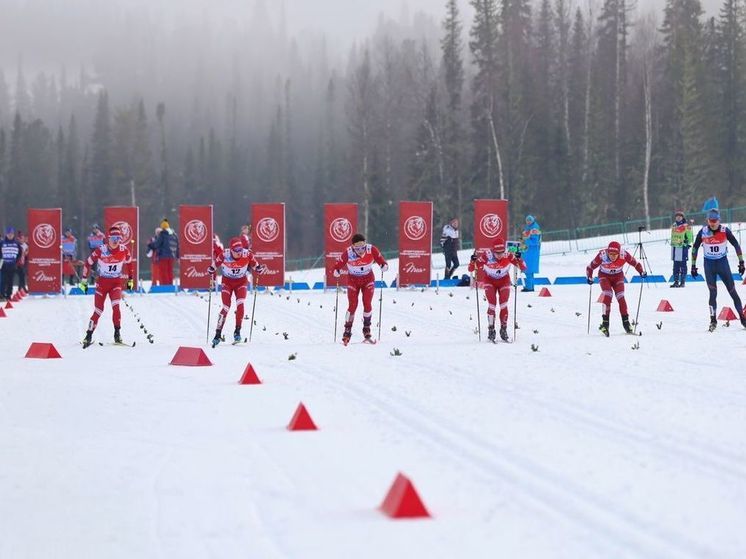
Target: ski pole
(253, 306)
(639, 300)
(209, 309)
(590, 293)
(515, 301)
(380, 306)
(336, 311)
(479, 318)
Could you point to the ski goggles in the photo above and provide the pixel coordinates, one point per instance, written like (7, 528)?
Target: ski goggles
(115, 238)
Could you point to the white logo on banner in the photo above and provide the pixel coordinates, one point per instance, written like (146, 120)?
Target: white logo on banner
(195, 231)
(340, 229)
(192, 272)
(491, 225)
(415, 228)
(126, 230)
(412, 269)
(267, 229)
(41, 276)
(44, 235)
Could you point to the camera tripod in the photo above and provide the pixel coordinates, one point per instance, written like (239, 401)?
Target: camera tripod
(640, 254)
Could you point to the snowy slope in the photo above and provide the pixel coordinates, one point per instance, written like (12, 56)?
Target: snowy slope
(585, 448)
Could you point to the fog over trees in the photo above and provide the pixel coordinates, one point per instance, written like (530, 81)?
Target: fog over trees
(579, 112)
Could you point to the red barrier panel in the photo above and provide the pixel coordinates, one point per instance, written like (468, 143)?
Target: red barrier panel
(415, 242)
(45, 251)
(127, 218)
(195, 244)
(340, 223)
(268, 241)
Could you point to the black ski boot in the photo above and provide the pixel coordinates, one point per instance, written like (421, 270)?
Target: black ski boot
(713, 324)
(117, 335)
(347, 333)
(604, 328)
(627, 325)
(218, 338)
(504, 333)
(682, 280)
(491, 335)
(88, 340)
(675, 283)
(366, 329)
(236, 335)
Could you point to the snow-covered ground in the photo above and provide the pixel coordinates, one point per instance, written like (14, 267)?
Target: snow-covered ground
(584, 448)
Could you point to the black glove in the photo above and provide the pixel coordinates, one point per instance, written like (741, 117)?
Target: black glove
(643, 274)
(211, 271)
(694, 271)
(473, 257)
(741, 267)
(589, 280)
(518, 253)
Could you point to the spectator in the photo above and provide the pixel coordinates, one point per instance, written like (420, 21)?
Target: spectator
(449, 240)
(96, 238)
(153, 255)
(681, 240)
(711, 204)
(531, 249)
(70, 256)
(245, 236)
(21, 268)
(12, 253)
(166, 247)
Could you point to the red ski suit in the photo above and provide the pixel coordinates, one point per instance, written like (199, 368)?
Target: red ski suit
(360, 279)
(611, 277)
(496, 281)
(111, 264)
(235, 281)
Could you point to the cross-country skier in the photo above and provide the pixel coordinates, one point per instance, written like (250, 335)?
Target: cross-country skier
(359, 259)
(235, 263)
(611, 261)
(110, 260)
(496, 264)
(714, 237)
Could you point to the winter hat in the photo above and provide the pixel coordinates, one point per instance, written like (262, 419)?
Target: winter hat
(164, 224)
(10, 230)
(95, 226)
(679, 212)
(499, 245)
(614, 246)
(713, 215)
(115, 231)
(236, 244)
(530, 218)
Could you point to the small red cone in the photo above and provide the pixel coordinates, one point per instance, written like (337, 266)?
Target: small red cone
(727, 314)
(15, 298)
(301, 420)
(664, 306)
(249, 376)
(190, 357)
(403, 501)
(545, 292)
(39, 350)
(8, 305)
(2, 313)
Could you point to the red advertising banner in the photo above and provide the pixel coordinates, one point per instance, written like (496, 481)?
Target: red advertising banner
(195, 246)
(415, 243)
(44, 250)
(340, 224)
(127, 218)
(490, 222)
(268, 241)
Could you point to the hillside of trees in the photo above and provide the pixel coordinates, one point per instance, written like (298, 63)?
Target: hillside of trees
(578, 112)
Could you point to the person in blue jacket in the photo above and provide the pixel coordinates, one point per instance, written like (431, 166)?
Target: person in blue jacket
(11, 254)
(530, 250)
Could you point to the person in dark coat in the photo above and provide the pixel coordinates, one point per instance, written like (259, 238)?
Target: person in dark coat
(166, 248)
(12, 254)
